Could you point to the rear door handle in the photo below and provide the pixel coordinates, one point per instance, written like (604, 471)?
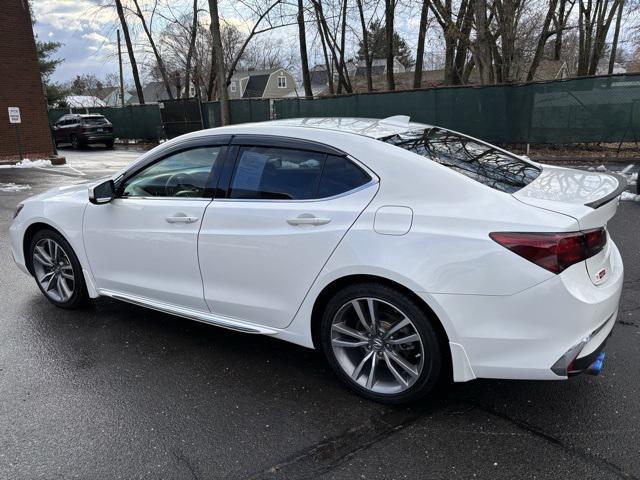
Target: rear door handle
(306, 219)
(181, 218)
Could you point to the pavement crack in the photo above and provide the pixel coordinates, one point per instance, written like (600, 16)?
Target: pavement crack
(331, 453)
(535, 431)
(185, 461)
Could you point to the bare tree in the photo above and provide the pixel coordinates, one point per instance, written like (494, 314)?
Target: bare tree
(365, 46)
(594, 21)
(217, 59)
(304, 61)
(482, 51)
(616, 36)
(545, 34)
(192, 47)
(152, 43)
(132, 57)
(422, 33)
(389, 14)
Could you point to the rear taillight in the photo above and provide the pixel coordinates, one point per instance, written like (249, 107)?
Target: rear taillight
(553, 251)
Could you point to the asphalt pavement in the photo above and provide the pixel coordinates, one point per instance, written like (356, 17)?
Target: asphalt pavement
(118, 391)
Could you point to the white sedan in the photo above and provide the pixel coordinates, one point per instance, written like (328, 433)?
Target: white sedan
(409, 254)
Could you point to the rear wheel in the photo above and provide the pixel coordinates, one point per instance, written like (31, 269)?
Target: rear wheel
(57, 270)
(75, 142)
(381, 343)
(109, 144)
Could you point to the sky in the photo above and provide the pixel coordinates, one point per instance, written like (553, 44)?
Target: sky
(88, 34)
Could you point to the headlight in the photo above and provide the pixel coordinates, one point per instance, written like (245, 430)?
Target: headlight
(18, 208)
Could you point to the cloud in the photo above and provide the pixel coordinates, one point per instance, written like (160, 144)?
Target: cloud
(73, 15)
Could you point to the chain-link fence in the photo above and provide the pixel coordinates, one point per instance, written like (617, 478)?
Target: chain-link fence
(594, 109)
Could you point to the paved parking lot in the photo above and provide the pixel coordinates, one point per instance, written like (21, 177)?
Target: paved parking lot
(117, 391)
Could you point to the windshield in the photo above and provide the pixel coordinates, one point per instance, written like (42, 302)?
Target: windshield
(94, 120)
(476, 160)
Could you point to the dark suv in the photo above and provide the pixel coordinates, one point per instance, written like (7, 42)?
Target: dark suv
(81, 130)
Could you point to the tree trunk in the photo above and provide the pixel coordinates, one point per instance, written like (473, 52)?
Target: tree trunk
(559, 24)
(616, 35)
(304, 61)
(343, 35)
(192, 46)
(156, 53)
(462, 47)
(132, 57)
(483, 48)
(327, 63)
(542, 40)
(365, 46)
(388, 15)
(422, 33)
(217, 58)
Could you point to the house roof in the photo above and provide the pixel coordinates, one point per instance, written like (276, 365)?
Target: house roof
(254, 73)
(255, 86)
(79, 101)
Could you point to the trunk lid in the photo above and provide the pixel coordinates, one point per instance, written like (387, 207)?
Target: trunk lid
(589, 197)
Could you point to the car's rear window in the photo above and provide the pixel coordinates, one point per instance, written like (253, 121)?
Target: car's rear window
(94, 120)
(476, 160)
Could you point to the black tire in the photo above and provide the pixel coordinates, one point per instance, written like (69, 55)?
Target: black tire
(79, 295)
(434, 364)
(109, 144)
(75, 142)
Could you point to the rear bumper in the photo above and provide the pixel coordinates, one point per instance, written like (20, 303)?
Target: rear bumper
(98, 138)
(523, 336)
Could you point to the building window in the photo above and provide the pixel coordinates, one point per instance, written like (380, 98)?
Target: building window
(282, 82)
(233, 86)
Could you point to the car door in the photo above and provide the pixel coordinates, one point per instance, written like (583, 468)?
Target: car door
(58, 129)
(284, 211)
(144, 242)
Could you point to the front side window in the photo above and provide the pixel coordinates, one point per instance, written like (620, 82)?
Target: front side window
(183, 174)
(282, 82)
(479, 161)
(276, 174)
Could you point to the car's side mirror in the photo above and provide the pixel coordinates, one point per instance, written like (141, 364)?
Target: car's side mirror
(102, 192)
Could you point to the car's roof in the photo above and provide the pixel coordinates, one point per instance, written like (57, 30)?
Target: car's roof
(368, 127)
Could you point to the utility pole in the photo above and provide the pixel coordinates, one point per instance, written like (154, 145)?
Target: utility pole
(121, 79)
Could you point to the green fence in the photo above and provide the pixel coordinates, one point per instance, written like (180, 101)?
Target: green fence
(594, 109)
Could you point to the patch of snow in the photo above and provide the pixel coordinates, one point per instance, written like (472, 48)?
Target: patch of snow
(629, 197)
(26, 163)
(13, 187)
(601, 168)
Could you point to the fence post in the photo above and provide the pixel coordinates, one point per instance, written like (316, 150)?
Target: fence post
(272, 109)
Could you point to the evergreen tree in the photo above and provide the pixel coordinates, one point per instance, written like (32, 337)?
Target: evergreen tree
(378, 48)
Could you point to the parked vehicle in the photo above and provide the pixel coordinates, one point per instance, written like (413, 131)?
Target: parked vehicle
(80, 130)
(407, 253)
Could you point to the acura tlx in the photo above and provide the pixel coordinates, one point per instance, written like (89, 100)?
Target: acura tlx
(408, 254)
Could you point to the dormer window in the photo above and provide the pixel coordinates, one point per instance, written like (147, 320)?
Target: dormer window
(282, 81)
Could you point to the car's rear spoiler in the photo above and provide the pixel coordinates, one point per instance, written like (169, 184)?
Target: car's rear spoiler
(622, 185)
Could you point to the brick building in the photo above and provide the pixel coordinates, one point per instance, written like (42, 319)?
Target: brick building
(21, 86)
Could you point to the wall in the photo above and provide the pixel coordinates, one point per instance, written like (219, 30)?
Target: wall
(21, 86)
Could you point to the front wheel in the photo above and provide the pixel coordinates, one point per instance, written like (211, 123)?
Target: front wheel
(381, 343)
(57, 270)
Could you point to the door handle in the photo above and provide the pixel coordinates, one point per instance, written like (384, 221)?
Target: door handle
(306, 219)
(181, 219)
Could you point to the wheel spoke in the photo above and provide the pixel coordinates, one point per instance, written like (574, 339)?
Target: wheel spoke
(361, 317)
(372, 372)
(63, 288)
(346, 344)
(351, 332)
(372, 315)
(398, 326)
(407, 367)
(50, 282)
(394, 372)
(46, 277)
(66, 274)
(408, 339)
(356, 372)
(42, 257)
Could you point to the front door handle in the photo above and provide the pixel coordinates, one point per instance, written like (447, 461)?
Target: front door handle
(181, 218)
(307, 219)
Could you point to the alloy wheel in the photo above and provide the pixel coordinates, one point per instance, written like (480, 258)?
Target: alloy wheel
(377, 345)
(53, 270)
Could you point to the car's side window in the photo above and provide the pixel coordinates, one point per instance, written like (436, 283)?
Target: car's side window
(340, 175)
(276, 174)
(182, 174)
